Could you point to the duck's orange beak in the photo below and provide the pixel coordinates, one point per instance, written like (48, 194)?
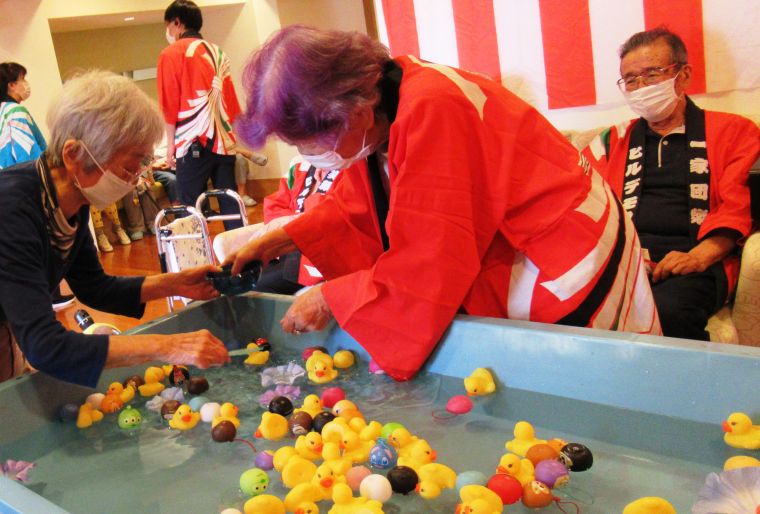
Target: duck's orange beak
(187, 418)
(258, 433)
(298, 511)
(318, 448)
(326, 482)
(417, 487)
(726, 427)
(320, 373)
(433, 455)
(501, 470)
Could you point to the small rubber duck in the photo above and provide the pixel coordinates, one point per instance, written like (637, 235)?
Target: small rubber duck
(258, 355)
(227, 412)
(312, 405)
(152, 386)
(309, 446)
(88, 415)
(333, 430)
(125, 394)
(303, 499)
(479, 382)
(345, 503)
(402, 439)
(740, 461)
(347, 410)
(478, 499)
(740, 432)
(325, 478)
(282, 456)
(525, 437)
(371, 431)
(420, 453)
(354, 448)
(264, 504)
(319, 367)
(649, 505)
(333, 458)
(273, 427)
(298, 471)
(184, 418)
(434, 477)
(111, 403)
(522, 469)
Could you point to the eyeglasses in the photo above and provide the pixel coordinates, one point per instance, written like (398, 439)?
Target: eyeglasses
(128, 175)
(648, 77)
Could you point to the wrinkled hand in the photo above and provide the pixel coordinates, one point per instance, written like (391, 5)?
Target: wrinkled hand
(192, 283)
(270, 246)
(677, 263)
(309, 312)
(201, 349)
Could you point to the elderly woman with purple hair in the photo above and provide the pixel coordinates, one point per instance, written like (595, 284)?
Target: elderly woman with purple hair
(457, 197)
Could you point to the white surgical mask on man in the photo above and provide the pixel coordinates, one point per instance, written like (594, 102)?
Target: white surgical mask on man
(332, 160)
(654, 103)
(171, 39)
(105, 191)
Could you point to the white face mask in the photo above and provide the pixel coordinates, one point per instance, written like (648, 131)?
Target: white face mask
(105, 191)
(332, 160)
(654, 103)
(171, 39)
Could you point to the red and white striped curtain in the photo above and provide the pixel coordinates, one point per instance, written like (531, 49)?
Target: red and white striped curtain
(563, 53)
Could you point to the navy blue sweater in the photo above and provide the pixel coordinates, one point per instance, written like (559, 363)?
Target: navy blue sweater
(30, 269)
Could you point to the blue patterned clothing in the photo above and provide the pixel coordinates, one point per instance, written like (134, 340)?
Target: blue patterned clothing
(20, 138)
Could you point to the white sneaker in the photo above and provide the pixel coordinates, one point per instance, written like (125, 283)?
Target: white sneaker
(123, 237)
(248, 201)
(104, 244)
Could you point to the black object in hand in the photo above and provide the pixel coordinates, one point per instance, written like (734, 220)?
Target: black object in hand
(228, 284)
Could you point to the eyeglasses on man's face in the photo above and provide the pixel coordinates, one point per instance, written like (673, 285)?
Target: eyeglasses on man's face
(649, 76)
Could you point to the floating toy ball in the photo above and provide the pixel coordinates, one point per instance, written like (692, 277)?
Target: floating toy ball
(209, 411)
(95, 399)
(389, 428)
(540, 452)
(537, 495)
(254, 482)
(68, 412)
(264, 460)
(320, 420)
(281, 405)
(459, 404)
(198, 402)
(576, 457)
(355, 475)
(129, 418)
(197, 385)
(740, 461)
(470, 478)
(224, 432)
(552, 473)
(649, 505)
(509, 489)
(311, 349)
(403, 479)
(375, 368)
(135, 381)
(383, 455)
(376, 487)
(343, 359)
(332, 395)
(300, 423)
(169, 408)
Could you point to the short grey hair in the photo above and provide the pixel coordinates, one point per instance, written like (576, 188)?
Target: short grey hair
(678, 53)
(106, 111)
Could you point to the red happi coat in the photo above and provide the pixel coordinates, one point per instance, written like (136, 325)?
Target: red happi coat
(196, 94)
(733, 146)
(490, 213)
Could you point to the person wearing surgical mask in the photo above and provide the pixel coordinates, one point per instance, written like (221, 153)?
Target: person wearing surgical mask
(103, 129)
(20, 138)
(681, 173)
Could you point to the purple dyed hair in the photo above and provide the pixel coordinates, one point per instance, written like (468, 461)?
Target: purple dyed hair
(304, 83)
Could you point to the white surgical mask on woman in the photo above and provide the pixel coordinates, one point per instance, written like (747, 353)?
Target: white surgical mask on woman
(332, 160)
(107, 190)
(654, 103)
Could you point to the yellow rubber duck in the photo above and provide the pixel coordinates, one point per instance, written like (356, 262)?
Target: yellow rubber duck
(303, 498)
(402, 440)
(333, 431)
(649, 505)
(522, 469)
(184, 418)
(298, 471)
(312, 405)
(525, 437)
(282, 456)
(325, 478)
(309, 446)
(333, 458)
(740, 461)
(319, 367)
(256, 357)
(347, 410)
(343, 359)
(478, 499)
(111, 403)
(152, 386)
(227, 412)
(125, 394)
(264, 504)
(420, 453)
(354, 448)
(370, 432)
(434, 477)
(740, 432)
(88, 415)
(273, 427)
(479, 382)
(345, 503)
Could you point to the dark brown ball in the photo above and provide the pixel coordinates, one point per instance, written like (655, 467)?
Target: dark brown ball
(169, 408)
(300, 422)
(224, 432)
(403, 479)
(320, 420)
(197, 385)
(281, 405)
(135, 381)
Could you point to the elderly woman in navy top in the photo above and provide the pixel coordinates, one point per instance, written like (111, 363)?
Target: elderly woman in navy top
(102, 133)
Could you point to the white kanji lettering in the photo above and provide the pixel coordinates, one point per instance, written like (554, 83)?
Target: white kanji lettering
(698, 216)
(698, 165)
(631, 186)
(630, 203)
(699, 191)
(635, 153)
(633, 169)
